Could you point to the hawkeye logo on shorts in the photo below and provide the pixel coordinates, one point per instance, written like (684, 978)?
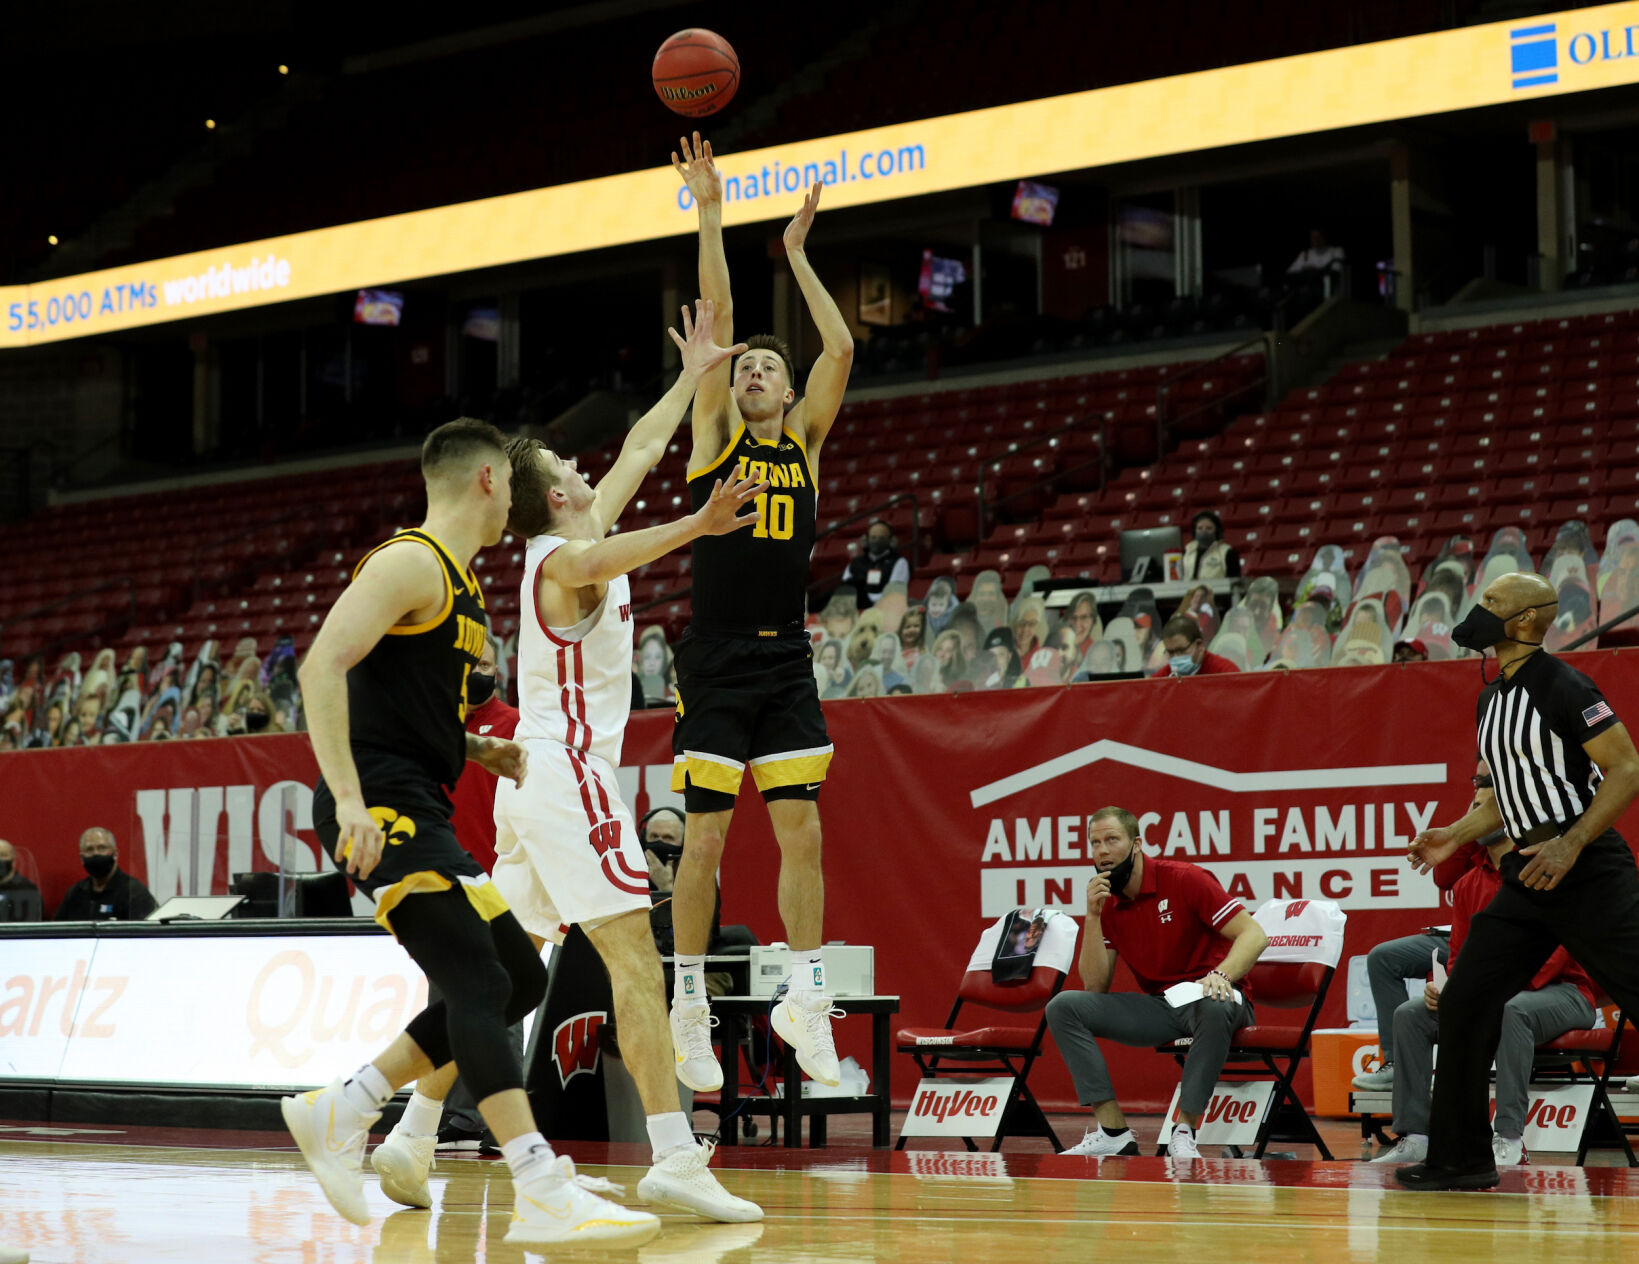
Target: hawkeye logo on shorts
(575, 1045)
(397, 828)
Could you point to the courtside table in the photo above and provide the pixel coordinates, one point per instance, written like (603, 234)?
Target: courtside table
(793, 1106)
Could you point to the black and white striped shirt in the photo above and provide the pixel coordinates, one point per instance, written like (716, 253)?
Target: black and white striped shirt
(1531, 730)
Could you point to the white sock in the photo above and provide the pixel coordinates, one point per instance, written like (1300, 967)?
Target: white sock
(421, 1116)
(1416, 1136)
(808, 973)
(528, 1156)
(689, 980)
(367, 1090)
(669, 1132)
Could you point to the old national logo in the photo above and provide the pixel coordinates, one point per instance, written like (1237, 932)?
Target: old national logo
(575, 1045)
(397, 828)
(1534, 55)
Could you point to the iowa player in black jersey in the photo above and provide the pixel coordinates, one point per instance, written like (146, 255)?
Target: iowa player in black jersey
(385, 686)
(745, 680)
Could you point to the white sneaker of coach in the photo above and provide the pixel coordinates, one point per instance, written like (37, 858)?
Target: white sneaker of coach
(403, 1161)
(804, 1022)
(1181, 1145)
(683, 1179)
(562, 1206)
(1098, 1144)
(1378, 1081)
(1410, 1149)
(697, 1065)
(1509, 1153)
(331, 1134)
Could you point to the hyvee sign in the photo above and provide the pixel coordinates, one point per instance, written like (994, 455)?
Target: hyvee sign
(1295, 833)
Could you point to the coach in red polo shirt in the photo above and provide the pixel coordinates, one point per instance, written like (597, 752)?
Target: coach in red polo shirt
(1172, 923)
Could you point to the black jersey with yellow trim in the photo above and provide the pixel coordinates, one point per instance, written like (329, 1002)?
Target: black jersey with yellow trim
(753, 582)
(408, 695)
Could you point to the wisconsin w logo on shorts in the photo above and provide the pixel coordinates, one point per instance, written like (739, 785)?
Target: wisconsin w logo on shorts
(575, 1045)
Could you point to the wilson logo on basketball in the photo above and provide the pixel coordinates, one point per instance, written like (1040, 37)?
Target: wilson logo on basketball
(575, 1045)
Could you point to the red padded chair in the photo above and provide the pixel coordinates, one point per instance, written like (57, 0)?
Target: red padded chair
(1573, 1058)
(1275, 1051)
(985, 1047)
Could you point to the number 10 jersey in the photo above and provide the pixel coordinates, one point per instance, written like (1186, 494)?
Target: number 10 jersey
(753, 582)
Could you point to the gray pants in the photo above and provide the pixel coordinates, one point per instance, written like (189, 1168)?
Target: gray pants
(1388, 966)
(1527, 1020)
(1135, 1018)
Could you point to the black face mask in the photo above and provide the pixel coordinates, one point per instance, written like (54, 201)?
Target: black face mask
(1483, 629)
(255, 721)
(480, 688)
(99, 867)
(5, 870)
(1122, 873)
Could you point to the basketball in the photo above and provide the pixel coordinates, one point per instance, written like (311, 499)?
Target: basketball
(696, 73)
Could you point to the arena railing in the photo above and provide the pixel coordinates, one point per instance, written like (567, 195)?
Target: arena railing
(1607, 626)
(1047, 481)
(1165, 423)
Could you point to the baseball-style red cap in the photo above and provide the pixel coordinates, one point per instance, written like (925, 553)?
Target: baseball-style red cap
(1415, 645)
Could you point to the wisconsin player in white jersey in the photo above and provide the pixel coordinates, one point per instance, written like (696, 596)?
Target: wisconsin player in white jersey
(568, 853)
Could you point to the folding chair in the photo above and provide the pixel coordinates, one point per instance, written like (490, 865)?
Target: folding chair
(1571, 1059)
(995, 1049)
(1294, 972)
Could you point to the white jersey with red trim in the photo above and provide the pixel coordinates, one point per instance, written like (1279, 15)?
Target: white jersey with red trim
(575, 684)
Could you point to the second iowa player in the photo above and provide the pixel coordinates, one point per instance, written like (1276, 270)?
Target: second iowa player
(745, 679)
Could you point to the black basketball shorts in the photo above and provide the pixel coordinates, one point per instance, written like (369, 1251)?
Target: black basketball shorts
(747, 702)
(421, 852)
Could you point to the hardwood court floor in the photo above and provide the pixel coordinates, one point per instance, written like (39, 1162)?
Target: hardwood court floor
(82, 1200)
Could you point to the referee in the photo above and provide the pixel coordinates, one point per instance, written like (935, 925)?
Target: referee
(1565, 769)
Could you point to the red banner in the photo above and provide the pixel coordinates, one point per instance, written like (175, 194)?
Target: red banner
(940, 813)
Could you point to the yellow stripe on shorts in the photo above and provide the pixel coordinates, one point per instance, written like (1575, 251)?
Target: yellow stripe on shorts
(481, 894)
(791, 768)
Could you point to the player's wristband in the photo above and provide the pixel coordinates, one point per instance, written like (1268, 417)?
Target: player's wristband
(1223, 976)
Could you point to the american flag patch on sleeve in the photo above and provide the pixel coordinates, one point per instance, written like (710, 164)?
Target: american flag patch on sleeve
(1599, 711)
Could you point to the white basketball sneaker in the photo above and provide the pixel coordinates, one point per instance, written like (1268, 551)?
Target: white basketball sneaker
(697, 1065)
(1407, 1149)
(1098, 1144)
(683, 1180)
(331, 1134)
(403, 1161)
(1181, 1145)
(562, 1206)
(804, 1023)
(1509, 1152)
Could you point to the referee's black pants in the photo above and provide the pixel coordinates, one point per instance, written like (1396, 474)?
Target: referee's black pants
(1594, 913)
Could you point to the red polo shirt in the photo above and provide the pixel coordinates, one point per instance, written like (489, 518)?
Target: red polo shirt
(474, 794)
(1474, 890)
(1211, 665)
(1170, 931)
